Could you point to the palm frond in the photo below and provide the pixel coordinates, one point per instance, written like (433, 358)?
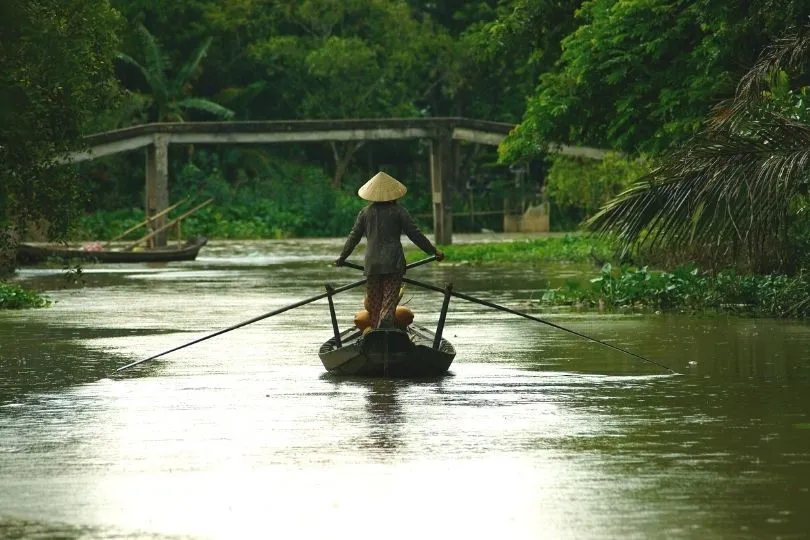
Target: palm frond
(127, 59)
(787, 53)
(156, 60)
(727, 193)
(206, 105)
(185, 73)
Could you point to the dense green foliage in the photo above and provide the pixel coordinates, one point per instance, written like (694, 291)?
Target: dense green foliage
(580, 187)
(642, 75)
(56, 67)
(737, 193)
(12, 296)
(291, 201)
(167, 99)
(570, 248)
(686, 288)
(627, 75)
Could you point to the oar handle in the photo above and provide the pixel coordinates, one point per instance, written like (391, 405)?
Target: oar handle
(407, 267)
(352, 265)
(420, 262)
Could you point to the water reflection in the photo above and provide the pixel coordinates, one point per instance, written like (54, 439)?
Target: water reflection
(386, 420)
(534, 434)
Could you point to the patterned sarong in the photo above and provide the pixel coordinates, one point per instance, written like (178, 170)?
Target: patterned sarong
(382, 292)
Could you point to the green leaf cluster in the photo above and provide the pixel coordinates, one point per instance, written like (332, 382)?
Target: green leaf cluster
(686, 288)
(56, 74)
(168, 98)
(580, 187)
(736, 194)
(568, 248)
(13, 296)
(640, 75)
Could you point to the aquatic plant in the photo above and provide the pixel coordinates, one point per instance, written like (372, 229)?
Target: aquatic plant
(13, 296)
(686, 288)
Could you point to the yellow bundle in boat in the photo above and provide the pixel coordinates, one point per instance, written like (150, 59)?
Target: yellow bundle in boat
(402, 318)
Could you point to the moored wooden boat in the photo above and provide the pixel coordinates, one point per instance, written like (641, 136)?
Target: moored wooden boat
(388, 352)
(28, 254)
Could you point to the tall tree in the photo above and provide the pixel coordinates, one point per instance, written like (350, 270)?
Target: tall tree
(505, 54)
(353, 59)
(641, 75)
(56, 72)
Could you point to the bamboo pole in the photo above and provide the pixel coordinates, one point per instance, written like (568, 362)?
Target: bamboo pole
(169, 224)
(493, 305)
(144, 222)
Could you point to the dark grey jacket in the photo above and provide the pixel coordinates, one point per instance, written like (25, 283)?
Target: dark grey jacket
(383, 224)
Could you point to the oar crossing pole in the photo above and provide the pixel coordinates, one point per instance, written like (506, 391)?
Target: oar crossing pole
(448, 292)
(330, 291)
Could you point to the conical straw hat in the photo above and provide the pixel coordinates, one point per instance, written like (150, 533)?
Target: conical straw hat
(382, 188)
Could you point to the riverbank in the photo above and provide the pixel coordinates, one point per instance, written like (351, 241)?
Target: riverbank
(613, 286)
(595, 279)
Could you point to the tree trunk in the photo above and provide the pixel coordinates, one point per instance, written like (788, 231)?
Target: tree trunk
(8, 252)
(343, 154)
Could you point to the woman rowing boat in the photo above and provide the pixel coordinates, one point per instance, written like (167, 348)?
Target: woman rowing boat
(383, 222)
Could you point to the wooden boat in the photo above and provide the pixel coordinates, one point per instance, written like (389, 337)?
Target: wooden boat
(28, 254)
(388, 352)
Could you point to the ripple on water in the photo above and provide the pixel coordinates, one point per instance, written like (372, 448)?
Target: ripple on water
(534, 433)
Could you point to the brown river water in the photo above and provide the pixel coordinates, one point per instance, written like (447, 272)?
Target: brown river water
(533, 434)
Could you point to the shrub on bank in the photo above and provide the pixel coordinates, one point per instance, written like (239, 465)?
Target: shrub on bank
(686, 288)
(570, 248)
(578, 187)
(287, 200)
(12, 296)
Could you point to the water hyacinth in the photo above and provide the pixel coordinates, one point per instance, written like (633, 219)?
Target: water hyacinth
(12, 296)
(686, 288)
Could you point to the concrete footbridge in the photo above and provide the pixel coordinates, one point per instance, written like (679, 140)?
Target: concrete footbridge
(444, 135)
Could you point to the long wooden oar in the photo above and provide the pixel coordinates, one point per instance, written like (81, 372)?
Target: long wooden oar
(245, 323)
(532, 318)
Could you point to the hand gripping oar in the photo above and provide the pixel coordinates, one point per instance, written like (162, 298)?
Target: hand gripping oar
(245, 323)
(531, 318)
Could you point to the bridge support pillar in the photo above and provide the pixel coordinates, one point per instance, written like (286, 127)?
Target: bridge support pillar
(442, 177)
(157, 186)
